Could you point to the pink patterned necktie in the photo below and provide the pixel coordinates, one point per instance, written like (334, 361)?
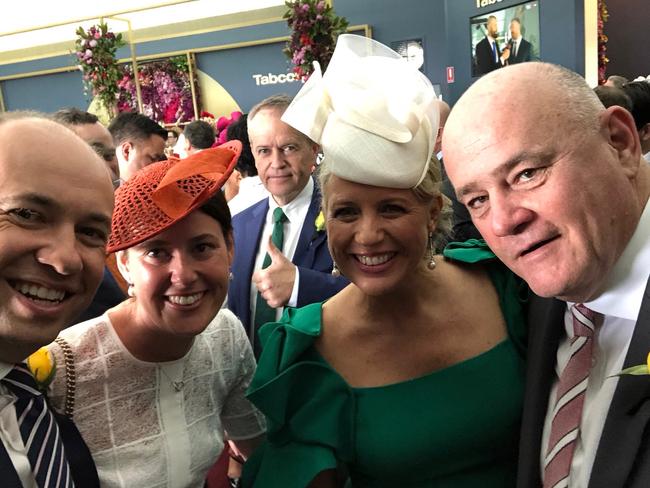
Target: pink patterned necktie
(570, 398)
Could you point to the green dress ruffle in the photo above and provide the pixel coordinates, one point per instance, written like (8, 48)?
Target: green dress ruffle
(456, 427)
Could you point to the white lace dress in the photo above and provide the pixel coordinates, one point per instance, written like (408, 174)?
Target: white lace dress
(158, 425)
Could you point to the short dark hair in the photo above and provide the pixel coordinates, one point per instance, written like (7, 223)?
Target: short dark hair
(217, 208)
(639, 93)
(516, 19)
(239, 130)
(200, 134)
(611, 95)
(617, 80)
(135, 127)
(74, 116)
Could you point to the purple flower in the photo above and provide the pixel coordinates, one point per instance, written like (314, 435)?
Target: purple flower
(304, 7)
(89, 53)
(319, 17)
(320, 6)
(92, 43)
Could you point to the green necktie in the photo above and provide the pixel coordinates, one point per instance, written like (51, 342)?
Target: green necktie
(264, 313)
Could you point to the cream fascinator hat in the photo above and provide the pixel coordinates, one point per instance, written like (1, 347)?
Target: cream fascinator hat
(373, 114)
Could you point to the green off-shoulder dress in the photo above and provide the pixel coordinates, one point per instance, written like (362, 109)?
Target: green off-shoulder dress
(456, 427)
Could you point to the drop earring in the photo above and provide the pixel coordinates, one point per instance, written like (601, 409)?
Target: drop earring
(130, 290)
(335, 270)
(431, 252)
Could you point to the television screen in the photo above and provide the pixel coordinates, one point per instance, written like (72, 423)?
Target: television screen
(503, 37)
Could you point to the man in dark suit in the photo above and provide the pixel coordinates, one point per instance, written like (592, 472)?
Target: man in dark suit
(56, 200)
(488, 54)
(300, 272)
(562, 198)
(520, 49)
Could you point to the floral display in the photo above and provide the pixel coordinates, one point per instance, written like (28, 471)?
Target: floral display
(315, 29)
(95, 51)
(603, 16)
(165, 89)
(222, 126)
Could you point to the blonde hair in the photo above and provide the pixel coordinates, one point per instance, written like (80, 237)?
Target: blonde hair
(427, 191)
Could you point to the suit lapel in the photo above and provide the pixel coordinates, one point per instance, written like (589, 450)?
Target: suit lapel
(546, 326)
(247, 251)
(629, 412)
(308, 231)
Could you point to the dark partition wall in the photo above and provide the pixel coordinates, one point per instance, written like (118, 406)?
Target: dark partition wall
(628, 30)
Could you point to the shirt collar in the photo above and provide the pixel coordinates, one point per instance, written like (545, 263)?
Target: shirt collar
(5, 368)
(292, 209)
(628, 279)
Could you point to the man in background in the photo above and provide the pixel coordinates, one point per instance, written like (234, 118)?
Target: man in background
(561, 197)
(88, 127)
(199, 135)
(56, 200)
(139, 142)
(282, 258)
(520, 49)
(639, 94)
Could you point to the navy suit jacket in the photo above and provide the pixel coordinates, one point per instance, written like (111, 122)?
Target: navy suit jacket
(311, 257)
(524, 53)
(623, 454)
(485, 58)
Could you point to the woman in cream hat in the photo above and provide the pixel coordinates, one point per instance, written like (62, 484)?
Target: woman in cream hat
(154, 382)
(413, 375)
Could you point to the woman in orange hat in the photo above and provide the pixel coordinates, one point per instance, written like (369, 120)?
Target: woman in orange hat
(154, 382)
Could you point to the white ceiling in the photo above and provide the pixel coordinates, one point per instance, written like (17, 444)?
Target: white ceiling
(28, 14)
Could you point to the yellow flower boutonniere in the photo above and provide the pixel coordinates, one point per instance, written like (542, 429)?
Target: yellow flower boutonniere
(43, 367)
(320, 222)
(641, 369)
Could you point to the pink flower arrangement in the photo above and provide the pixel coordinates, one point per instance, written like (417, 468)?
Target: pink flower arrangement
(315, 29)
(95, 52)
(603, 16)
(165, 89)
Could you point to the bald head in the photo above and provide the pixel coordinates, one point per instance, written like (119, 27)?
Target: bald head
(56, 200)
(553, 181)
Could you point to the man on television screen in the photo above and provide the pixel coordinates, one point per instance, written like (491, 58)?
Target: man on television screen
(520, 49)
(488, 54)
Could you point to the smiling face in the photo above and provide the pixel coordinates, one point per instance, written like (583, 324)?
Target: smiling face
(377, 236)
(180, 276)
(53, 231)
(284, 158)
(554, 198)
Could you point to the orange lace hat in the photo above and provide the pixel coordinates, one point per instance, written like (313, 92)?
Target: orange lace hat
(161, 194)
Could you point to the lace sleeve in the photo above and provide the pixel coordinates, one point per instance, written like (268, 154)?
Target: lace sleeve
(240, 418)
(56, 390)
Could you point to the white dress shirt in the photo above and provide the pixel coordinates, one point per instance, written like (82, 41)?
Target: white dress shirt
(620, 304)
(10, 433)
(296, 211)
(251, 190)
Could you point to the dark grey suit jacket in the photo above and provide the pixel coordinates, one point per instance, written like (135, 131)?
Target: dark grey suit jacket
(623, 454)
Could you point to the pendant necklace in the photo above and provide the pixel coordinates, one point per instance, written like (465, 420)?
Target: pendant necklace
(178, 385)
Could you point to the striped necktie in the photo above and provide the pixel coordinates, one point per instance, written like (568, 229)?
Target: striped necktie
(570, 398)
(39, 431)
(264, 313)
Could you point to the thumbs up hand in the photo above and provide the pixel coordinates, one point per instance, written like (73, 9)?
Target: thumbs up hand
(275, 283)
